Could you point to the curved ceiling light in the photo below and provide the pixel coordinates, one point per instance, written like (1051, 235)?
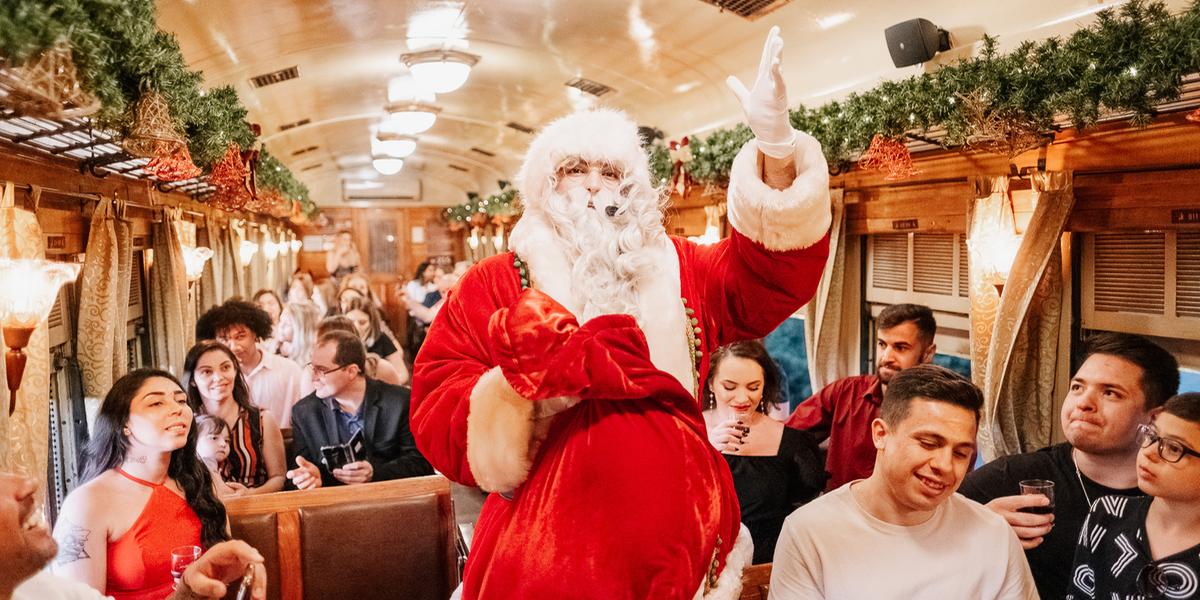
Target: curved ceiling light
(387, 165)
(440, 71)
(409, 117)
(395, 145)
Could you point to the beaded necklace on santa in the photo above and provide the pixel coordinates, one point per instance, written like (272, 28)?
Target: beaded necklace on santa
(692, 328)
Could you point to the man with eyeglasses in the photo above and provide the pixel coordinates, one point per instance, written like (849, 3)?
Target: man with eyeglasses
(1122, 382)
(344, 403)
(1149, 547)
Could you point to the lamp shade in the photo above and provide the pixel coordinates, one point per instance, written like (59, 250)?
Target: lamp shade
(387, 165)
(296, 246)
(395, 145)
(440, 71)
(270, 249)
(408, 118)
(247, 252)
(29, 287)
(194, 260)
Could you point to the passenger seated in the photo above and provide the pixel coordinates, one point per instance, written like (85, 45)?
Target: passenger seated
(1122, 381)
(1149, 547)
(903, 533)
(777, 468)
(274, 381)
(344, 395)
(144, 492)
(212, 446)
(843, 411)
(369, 325)
(297, 331)
(426, 312)
(377, 368)
(270, 302)
(256, 462)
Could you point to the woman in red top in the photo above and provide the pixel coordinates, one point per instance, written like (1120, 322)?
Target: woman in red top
(144, 493)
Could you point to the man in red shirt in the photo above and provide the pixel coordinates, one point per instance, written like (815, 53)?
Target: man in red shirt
(842, 411)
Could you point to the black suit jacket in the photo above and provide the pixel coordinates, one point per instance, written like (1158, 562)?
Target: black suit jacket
(387, 439)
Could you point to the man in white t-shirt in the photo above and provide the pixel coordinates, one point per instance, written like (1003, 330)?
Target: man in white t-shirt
(26, 547)
(903, 533)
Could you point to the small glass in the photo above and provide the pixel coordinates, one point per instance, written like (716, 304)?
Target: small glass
(181, 558)
(1044, 487)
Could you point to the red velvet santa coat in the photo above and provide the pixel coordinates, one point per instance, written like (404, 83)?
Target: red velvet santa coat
(619, 496)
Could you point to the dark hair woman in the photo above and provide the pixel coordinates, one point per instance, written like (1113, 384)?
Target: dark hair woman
(213, 379)
(777, 468)
(144, 492)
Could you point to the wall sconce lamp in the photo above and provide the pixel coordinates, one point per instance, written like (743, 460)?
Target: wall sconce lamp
(28, 289)
(194, 260)
(296, 246)
(994, 245)
(247, 252)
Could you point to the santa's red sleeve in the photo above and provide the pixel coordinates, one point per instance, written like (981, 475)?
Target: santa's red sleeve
(771, 263)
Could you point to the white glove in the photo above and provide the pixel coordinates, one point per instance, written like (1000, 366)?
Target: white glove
(766, 105)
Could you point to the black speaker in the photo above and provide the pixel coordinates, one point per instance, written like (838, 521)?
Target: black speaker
(915, 41)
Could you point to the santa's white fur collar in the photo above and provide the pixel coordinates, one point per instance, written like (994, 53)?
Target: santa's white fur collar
(663, 320)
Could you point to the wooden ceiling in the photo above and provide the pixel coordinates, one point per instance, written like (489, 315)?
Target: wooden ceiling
(666, 61)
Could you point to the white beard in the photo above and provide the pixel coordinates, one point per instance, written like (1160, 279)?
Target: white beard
(609, 257)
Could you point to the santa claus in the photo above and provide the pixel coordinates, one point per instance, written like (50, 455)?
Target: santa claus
(564, 375)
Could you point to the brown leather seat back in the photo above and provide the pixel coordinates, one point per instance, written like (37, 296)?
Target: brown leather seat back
(259, 530)
(756, 582)
(378, 549)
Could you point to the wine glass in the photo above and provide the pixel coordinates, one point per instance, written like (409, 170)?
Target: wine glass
(181, 558)
(1041, 487)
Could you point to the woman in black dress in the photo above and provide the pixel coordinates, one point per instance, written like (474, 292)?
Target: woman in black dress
(775, 468)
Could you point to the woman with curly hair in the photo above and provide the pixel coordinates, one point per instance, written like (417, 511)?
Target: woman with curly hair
(144, 492)
(213, 379)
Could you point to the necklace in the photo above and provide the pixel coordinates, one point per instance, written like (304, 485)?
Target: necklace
(1079, 476)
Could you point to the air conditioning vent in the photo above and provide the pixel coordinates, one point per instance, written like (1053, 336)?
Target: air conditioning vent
(311, 167)
(379, 198)
(459, 168)
(520, 127)
(478, 150)
(594, 88)
(294, 124)
(304, 150)
(750, 9)
(273, 78)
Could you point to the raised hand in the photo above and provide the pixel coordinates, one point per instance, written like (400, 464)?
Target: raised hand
(306, 475)
(766, 104)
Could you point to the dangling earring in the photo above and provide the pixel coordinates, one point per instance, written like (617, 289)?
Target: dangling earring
(127, 432)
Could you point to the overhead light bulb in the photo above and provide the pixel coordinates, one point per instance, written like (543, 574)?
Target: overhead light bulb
(440, 71)
(387, 165)
(395, 145)
(409, 118)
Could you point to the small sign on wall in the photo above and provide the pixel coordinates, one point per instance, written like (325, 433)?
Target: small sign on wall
(418, 235)
(314, 243)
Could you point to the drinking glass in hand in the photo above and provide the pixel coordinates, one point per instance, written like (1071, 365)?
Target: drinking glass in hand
(1039, 486)
(181, 558)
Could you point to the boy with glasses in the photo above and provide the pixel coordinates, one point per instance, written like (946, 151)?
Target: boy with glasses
(1149, 547)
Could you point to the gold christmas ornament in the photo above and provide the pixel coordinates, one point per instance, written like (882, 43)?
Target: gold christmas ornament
(47, 87)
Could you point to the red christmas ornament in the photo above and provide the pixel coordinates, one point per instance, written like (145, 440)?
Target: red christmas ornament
(229, 177)
(172, 164)
(1194, 116)
(890, 156)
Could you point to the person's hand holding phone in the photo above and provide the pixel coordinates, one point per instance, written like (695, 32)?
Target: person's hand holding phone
(305, 476)
(359, 471)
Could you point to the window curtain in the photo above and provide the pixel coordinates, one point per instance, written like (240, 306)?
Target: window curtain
(232, 273)
(1015, 337)
(258, 263)
(24, 436)
(104, 300)
(826, 316)
(172, 316)
(211, 292)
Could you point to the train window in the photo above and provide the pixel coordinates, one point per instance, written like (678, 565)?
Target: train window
(787, 348)
(1189, 380)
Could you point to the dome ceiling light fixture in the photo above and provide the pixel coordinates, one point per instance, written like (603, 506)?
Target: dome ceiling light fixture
(440, 71)
(387, 165)
(409, 118)
(395, 145)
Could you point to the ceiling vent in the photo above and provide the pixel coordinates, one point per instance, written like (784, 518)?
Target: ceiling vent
(266, 79)
(459, 168)
(294, 124)
(594, 88)
(304, 150)
(311, 167)
(520, 127)
(482, 151)
(750, 9)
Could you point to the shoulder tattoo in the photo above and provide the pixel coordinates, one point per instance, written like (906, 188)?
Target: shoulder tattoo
(71, 544)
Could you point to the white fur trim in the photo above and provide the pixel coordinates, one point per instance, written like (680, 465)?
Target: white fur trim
(499, 433)
(594, 135)
(789, 219)
(729, 582)
(663, 320)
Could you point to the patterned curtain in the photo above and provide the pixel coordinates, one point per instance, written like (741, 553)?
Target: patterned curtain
(1015, 336)
(211, 292)
(172, 316)
(232, 273)
(104, 301)
(258, 264)
(830, 353)
(24, 436)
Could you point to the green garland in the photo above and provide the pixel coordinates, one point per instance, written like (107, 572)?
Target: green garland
(1129, 60)
(501, 204)
(120, 52)
(271, 174)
